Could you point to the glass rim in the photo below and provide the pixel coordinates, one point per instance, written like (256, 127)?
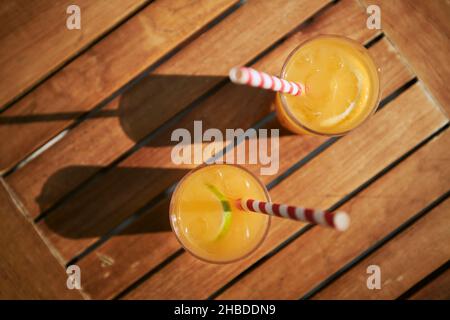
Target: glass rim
(172, 204)
(284, 103)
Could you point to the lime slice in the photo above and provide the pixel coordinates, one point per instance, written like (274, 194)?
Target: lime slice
(226, 216)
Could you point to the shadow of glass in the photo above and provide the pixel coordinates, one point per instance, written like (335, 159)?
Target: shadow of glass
(71, 225)
(159, 98)
(149, 99)
(155, 99)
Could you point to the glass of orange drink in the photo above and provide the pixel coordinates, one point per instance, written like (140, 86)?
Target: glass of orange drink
(342, 87)
(205, 220)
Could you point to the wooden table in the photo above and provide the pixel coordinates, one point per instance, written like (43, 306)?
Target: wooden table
(85, 123)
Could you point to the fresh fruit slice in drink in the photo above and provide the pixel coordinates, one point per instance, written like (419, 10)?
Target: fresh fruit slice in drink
(226, 206)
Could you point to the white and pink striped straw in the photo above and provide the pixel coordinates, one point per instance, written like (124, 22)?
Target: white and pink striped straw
(255, 78)
(338, 219)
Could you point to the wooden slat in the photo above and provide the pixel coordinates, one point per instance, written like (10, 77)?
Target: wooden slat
(35, 40)
(99, 72)
(421, 31)
(131, 254)
(27, 268)
(437, 289)
(378, 210)
(167, 90)
(351, 161)
(133, 259)
(404, 260)
(103, 203)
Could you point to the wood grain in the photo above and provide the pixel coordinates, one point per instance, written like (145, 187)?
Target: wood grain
(103, 203)
(133, 259)
(127, 249)
(99, 72)
(437, 289)
(403, 261)
(131, 254)
(390, 133)
(36, 41)
(375, 212)
(27, 268)
(130, 186)
(168, 89)
(421, 32)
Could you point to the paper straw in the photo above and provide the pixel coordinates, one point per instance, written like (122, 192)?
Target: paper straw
(255, 78)
(338, 220)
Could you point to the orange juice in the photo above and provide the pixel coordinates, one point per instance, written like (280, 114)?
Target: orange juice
(342, 87)
(199, 220)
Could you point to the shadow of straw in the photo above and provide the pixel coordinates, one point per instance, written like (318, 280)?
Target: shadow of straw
(152, 101)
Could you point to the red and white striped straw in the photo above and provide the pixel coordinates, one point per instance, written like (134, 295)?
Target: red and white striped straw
(255, 78)
(338, 220)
